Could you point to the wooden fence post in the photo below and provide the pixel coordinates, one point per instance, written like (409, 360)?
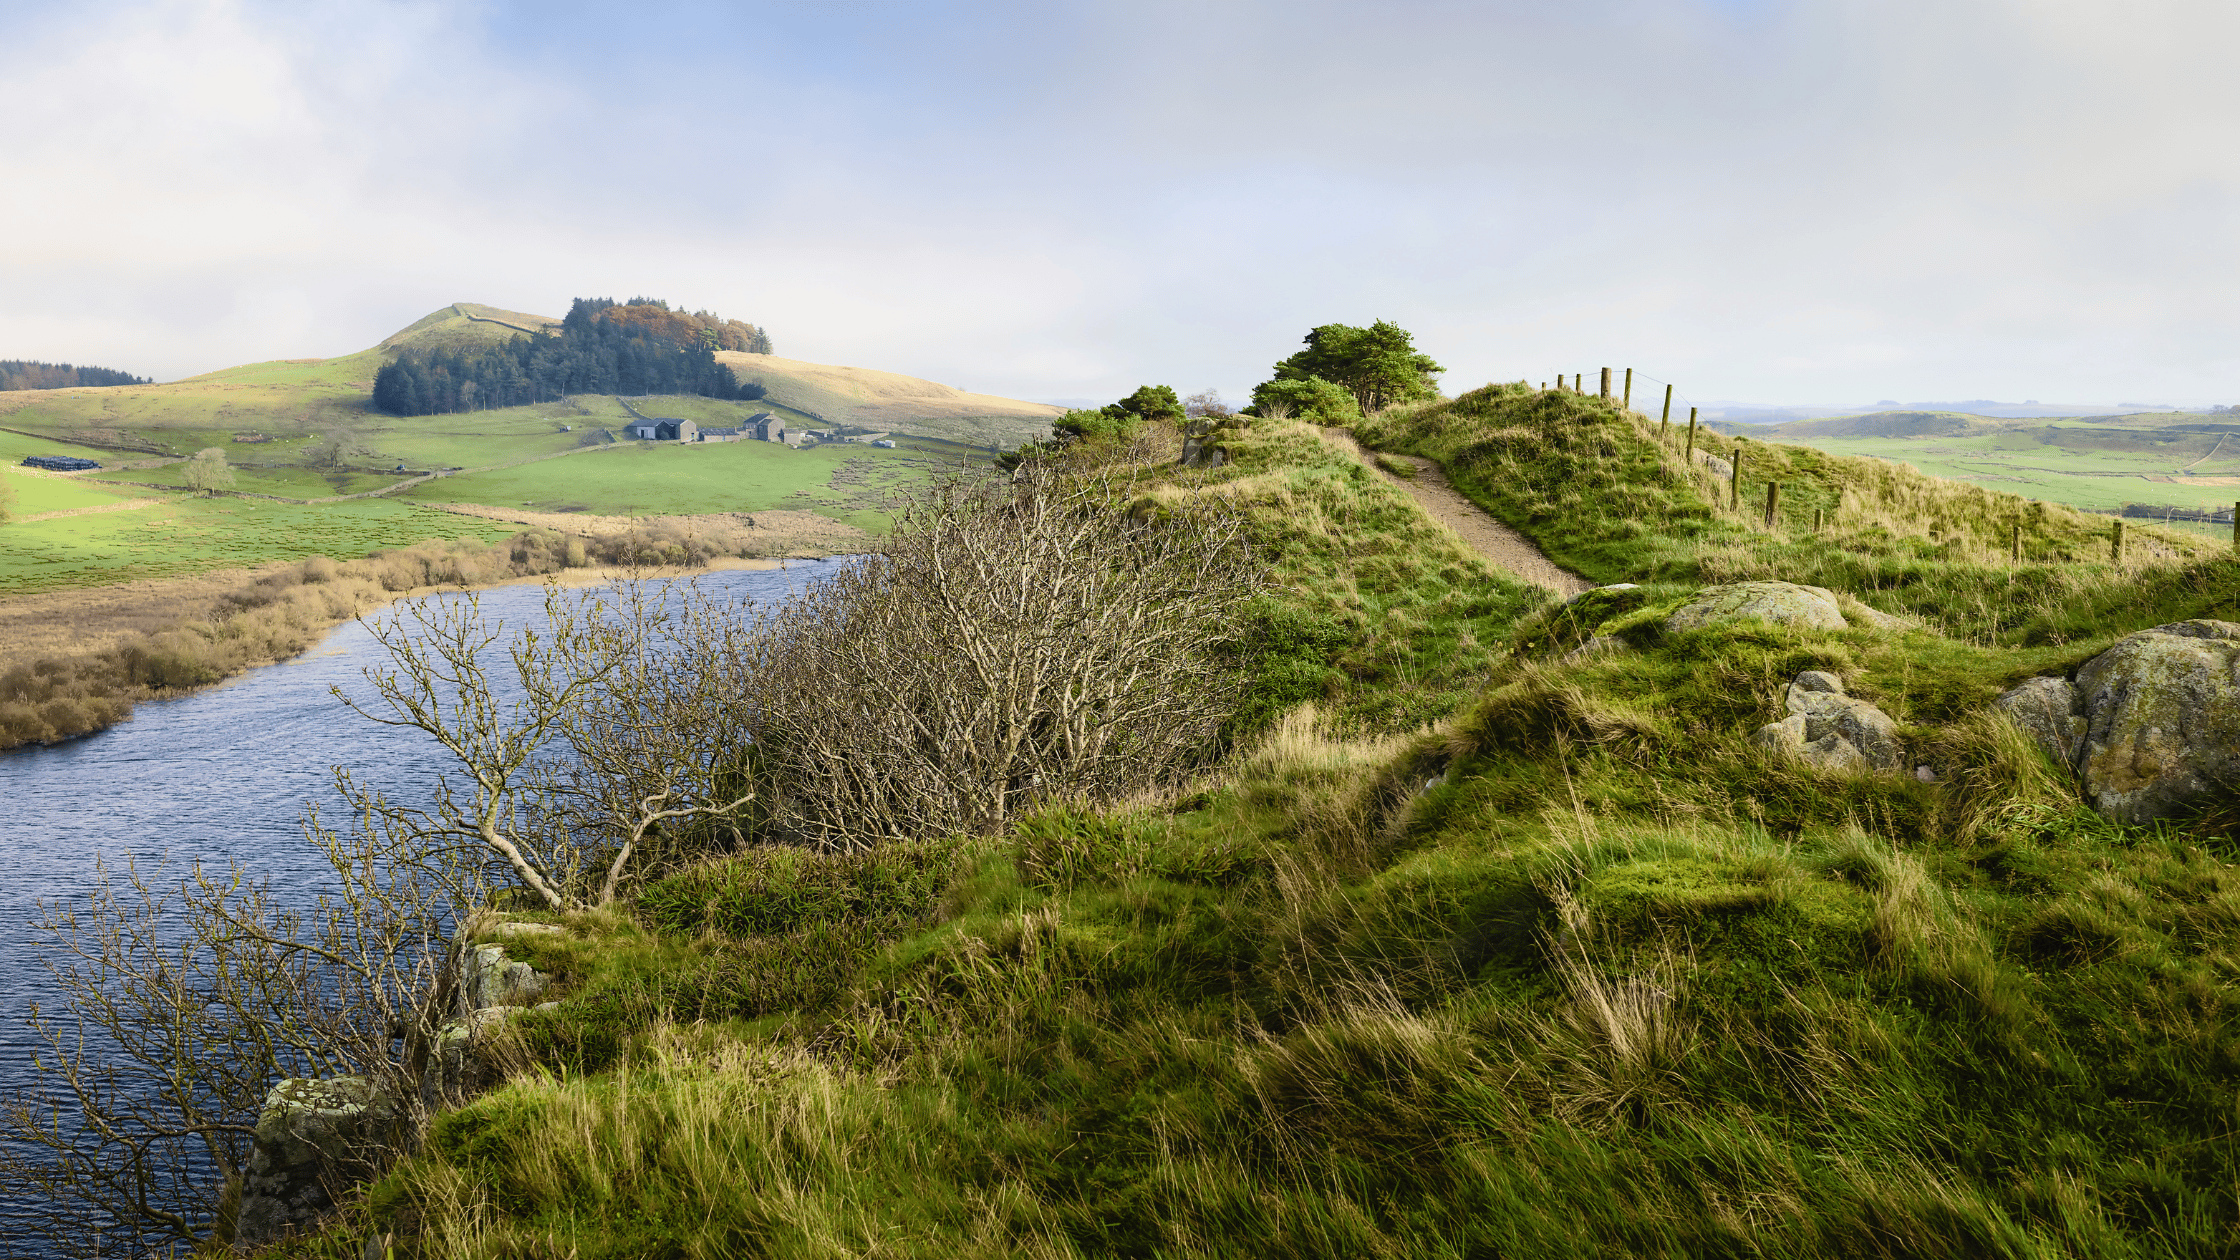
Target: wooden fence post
(1816, 520)
(2015, 544)
(2236, 525)
(1690, 458)
(2115, 544)
(1606, 384)
(1773, 502)
(1734, 488)
(1628, 403)
(1665, 425)
(1576, 387)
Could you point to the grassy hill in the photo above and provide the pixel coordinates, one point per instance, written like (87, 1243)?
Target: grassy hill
(280, 424)
(868, 399)
(1474, 945)
(2181, 459)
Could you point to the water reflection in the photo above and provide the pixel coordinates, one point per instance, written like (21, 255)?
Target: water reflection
(220, 776)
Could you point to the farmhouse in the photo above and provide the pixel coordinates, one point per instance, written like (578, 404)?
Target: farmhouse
(764, 427)
(664, 429)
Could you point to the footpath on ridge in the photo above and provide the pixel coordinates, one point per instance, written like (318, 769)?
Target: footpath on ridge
(1505, 547)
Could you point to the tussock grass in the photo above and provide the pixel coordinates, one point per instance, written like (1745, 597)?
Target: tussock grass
(1601, 494)
(1481, 947)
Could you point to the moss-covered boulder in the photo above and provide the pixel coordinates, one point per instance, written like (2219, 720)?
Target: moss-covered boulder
(2162, 712)
(2151, 726)
(316, 1141)
(1782, 603)
(2047, 709)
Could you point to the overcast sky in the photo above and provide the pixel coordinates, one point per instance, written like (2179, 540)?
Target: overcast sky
(1762, 201)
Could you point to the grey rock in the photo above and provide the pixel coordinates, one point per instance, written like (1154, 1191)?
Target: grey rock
(1829, 729)
(2162, 714)
(2047, 709)
(488, 978)
(459, 1065)
(515, 928)
(316, 1141)
(1816, 680)
(1782, 603)
(1926, 774)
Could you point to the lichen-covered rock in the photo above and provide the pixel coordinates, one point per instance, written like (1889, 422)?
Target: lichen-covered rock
(459, 1064)
(2047, 710)
(316, 1140)
(488, 978)
(1782, 603)
(1830, 729)
(2162, 719)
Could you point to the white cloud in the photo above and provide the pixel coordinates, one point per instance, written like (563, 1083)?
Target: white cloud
(1779, 201)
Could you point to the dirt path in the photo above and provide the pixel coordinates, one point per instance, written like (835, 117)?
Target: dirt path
(1505, 547)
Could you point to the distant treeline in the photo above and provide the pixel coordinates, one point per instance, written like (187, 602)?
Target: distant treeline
(26, 374)
(2172, 512)
(638, 347)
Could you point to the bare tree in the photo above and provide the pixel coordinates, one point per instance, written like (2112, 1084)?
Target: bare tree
(572, 743)
(583, 748)
(184, 1000)
(1014, 643)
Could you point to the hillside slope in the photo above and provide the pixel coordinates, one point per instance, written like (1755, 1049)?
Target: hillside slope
(1478, 944)
(870, 399)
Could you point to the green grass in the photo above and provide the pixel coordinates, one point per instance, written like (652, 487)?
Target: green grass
(1485, 949)
(194, 534)
(643, 478)
(1599, 491)
(56, 494)
(2099, 462)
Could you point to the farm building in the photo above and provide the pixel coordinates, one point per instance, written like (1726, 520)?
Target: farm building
(721, 435)
(764, 427)
(664, 429)
(59, 463)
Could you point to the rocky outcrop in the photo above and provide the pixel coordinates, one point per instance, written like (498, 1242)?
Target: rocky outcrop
(488, 978)
(1782, 603)
(316, 1141)
(2150, 727)
(1827, 728)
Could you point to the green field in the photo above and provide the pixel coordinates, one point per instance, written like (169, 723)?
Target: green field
(652, 478)
(36, 494)
(191, 535)
(2099, 463)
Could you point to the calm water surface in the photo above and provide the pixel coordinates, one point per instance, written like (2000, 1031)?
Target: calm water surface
(216, 777)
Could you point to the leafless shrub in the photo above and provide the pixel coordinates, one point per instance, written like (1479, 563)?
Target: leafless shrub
(573, 743)
(184, 1000)
(1015, 643)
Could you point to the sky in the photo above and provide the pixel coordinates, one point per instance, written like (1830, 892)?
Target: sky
(1768, 202)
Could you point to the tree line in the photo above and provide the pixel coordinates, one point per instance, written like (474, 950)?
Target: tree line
(603, 347)
(31, 374)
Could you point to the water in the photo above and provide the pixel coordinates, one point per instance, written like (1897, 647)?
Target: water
(220, 776)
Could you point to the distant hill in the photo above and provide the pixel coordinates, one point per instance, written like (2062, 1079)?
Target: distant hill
(292, 402)
(1873, 424)
(871, 399)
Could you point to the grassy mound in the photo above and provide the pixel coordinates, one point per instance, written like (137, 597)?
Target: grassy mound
(1471, 946)
(1604, 494)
